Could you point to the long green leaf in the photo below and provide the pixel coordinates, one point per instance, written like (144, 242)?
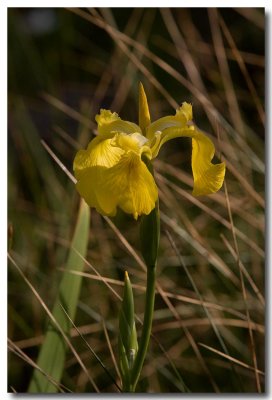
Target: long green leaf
(51, 358)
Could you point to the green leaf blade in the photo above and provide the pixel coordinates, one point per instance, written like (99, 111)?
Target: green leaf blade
(51, 357)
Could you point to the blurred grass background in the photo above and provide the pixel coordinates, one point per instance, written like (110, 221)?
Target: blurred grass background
(63, 66)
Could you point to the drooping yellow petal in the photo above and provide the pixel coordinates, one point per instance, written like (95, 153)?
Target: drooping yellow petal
(128, 185)
(109, 122)
(131, 179)
(91, 186)
(89, 166)
(99, 153)
(144, 115)
(111, 174)
(208, 177)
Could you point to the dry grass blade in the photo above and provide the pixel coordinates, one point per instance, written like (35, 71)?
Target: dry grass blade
(225, 73)
(141, 32)
(244, 292)
(219, 196)
(108, 73)
(238, 56)
(111, 351)
(92, 351)
(211, 58)
(214, 327)
(68, 139)
(57, 160)
(249, 188)
(253, 15)
(116, 35)
(245, 272)
(186, 58)
(68, 110)
(54, 321)
(213, 214)
(179, 297)
(37, 340)
(198, 322)
(120, 39)
(190, 339)
(18, 351)
(104, 280)
(231, 358)
(212, 258)
(205, 49)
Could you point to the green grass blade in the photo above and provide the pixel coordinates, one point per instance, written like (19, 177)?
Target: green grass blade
(52, 353)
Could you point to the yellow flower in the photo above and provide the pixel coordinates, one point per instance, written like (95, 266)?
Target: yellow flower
(111, 172)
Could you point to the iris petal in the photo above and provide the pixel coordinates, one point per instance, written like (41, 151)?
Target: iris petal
(91, 186)
(208, 177)
(131, 179)
(111, 174)
(109, 122)
(98, 153)
(183, 115)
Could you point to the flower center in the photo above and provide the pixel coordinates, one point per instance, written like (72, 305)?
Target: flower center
(133, 142)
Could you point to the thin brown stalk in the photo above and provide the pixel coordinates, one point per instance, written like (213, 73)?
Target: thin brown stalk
(205, 49)
(225, 73)
(253, 350)
(253, 15)
(54, 321)
(120, 39)
(127, 80)
(68, 139)
(245, 272)
(57, 160)
(209, 211)
(210, 256)
(189, 337)
(113, 358)
(171, 295)
(232, 359)
(91, 350)
(68, 110)
(219, 196)
(239, 58)
(108, 72)
(18, 351)
(198, 322)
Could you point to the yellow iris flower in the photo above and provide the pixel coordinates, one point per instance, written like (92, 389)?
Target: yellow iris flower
(111, 172)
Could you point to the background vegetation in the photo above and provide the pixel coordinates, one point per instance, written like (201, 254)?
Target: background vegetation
(64, 65)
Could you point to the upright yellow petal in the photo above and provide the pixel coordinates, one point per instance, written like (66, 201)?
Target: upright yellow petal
(144, 115)
(109, 122)
(106, 117)
(182, 118)
(185, 113)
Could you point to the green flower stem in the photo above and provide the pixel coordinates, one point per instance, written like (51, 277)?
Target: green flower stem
(147, 325)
